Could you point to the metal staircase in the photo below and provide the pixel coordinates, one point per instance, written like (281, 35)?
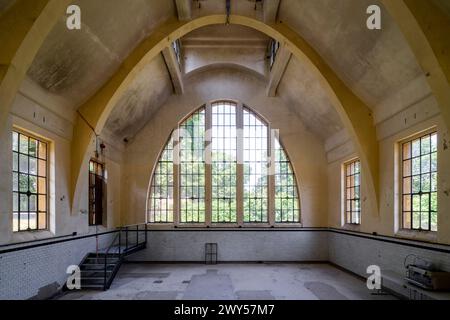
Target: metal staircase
(98, 269)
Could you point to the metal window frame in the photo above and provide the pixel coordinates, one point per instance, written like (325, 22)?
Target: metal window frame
(47, 143)
(239, 179)
(274, 140)
(154, 175)
(269, 200)
(179, 173)
(418, 136)
(91, 202)
(350, 210)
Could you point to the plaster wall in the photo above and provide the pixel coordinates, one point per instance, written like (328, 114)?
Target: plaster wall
(305, 149)
(39, 120)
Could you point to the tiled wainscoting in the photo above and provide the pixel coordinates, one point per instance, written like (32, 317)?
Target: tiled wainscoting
(38, 271)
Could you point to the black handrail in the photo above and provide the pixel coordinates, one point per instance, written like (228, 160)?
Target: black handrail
(121, 253)
(106, 256)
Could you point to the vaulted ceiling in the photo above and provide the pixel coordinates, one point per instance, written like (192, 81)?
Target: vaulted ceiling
(378, 66)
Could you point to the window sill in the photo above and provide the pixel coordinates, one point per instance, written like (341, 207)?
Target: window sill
(31, 235)
(427, 236)
(352, 227)
(223, 227)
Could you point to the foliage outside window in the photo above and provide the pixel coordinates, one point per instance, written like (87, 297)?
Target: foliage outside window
(353, 192)
(419, 183)
(30, 172)
(215, 171)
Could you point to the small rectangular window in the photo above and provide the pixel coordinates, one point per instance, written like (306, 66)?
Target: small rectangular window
(30, 172)
(353, 192)
(419, 183)
(96, 192)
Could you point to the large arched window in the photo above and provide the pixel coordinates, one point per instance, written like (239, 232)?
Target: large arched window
(223, 166)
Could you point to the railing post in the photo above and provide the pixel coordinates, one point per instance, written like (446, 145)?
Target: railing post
(146, 236)
(106, 268)
(137, 236)
(120, 241)
(126, 238)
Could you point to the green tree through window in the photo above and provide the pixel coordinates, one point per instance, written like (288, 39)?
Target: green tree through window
(217, 162)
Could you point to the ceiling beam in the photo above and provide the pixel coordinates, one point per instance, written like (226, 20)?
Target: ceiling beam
(426, 28)
(278, 69)
(174, 69)
(184, 9)
(270, 10)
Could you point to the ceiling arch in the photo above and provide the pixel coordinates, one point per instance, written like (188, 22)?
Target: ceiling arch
(355, 115)
(28, 37)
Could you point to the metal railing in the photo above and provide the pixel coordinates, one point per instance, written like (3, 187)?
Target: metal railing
(124, 245)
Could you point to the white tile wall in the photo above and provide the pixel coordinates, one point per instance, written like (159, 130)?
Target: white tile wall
(24, 272)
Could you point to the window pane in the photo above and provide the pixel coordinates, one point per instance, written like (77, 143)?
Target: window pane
(255, 135)
(23, 163)
(15, 222)
(15, 162)
(224, 165)
(192, 169)
(42, 150)
(42, 186)
(353, 204)
(42, 171)
(161, 201)
(434, 142)
(407, 185)
(42, 221)
(407, 150)
(23, 203)
(33, 147)
(15, 141)
(23, 182)
(416, 148)
(416, 166)
(15, 182)
(33, 203)
(33, 166)
(287, 209)
(15, 202)
(406, 220)
(33, 184)
(33, 221)
(42, 203)
(23, 141)
(426, 145)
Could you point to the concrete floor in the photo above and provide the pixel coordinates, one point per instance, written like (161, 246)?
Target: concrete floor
(231, 282)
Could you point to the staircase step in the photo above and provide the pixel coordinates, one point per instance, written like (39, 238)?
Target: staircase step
(92, 286)
(94, 273)
(86, 267)
(100, 260)
(102, 254)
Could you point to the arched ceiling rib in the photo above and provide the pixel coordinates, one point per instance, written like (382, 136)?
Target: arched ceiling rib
(375, 64)
(149, 90)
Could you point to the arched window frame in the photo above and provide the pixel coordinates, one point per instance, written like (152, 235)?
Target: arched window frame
(174, 137)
